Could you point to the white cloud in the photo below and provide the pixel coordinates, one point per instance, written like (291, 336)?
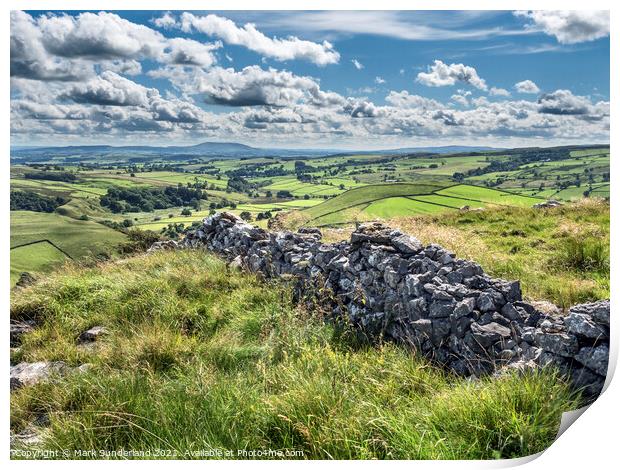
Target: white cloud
(460, 99)
(65, 48)
(69, 81)
(101, 35)
(563, 102)
(404, 100)
(527, 86)
(30, 59)
(251, 86)
(166, 21)
(440, 74)
(290, 48)
(357, 64)
(189, 52)
(498, 92)
(110, 89)
(407, 25)
(570, 26)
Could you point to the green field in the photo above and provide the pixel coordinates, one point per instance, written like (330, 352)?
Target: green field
(367, 194)
(400, 206)
(400, 199)
(333, 190)
(76, 238)
(37, 257)
(491, 196)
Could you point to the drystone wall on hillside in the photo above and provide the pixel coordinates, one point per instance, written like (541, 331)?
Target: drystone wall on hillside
(388, 285)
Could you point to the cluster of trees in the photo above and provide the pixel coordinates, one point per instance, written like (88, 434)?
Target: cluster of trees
(240, 185)
(31, 201)
(120, 226)
(257, 170)
(148, 199)
(247, 216)
(52, 176)
(173, 230)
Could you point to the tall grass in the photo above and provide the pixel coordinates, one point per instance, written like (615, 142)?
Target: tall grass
(560, 254)
(585, 254)
(200, 358)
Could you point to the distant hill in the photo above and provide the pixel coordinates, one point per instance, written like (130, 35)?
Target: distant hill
(129, 152)
(138, 153)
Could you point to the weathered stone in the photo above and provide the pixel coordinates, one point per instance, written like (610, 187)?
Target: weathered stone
(464, 307)
(598, 311)
(422, 326)
(441, 308)
(440, 331)
(25, 279)
(18, 329)
(487, 335)
(459, 325)
(582, 325)
(561, 344)
(596, 359)
(236, 263)
(546, 307)
(407, 244)
(485, 302)
(386, 283)
(511, 313)
(413, 286)
(92, 334)
(588, 382)
(391, 278)
(30, 373)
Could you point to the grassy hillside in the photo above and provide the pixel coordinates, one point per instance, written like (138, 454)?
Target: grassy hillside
(366, 194)
(198, 357)
(32, 232)
(406, 199)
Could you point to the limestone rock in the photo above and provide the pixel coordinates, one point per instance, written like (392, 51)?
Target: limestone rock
(487, 335)
(595, 359)
(92, 334)
(30, 373)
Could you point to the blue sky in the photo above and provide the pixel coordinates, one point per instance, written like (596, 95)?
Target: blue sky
(310, 79)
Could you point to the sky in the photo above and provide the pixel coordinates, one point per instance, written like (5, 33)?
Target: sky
(315, 79)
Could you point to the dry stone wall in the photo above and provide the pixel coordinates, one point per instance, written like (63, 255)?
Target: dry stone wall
(390, 286)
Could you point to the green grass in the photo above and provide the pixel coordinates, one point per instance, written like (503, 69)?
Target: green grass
(77, 238)
(479, 194)
(396, 206)
(406, 199)
(36, 258)
(298, 188)
(365, 195)
(198, 357)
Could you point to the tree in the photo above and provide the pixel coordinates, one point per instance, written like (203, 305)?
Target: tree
(245, 215)
(458, 177)
(186, 212)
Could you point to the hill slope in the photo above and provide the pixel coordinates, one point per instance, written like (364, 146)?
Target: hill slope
(201, 357)
(407, 199)
(50, 238)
